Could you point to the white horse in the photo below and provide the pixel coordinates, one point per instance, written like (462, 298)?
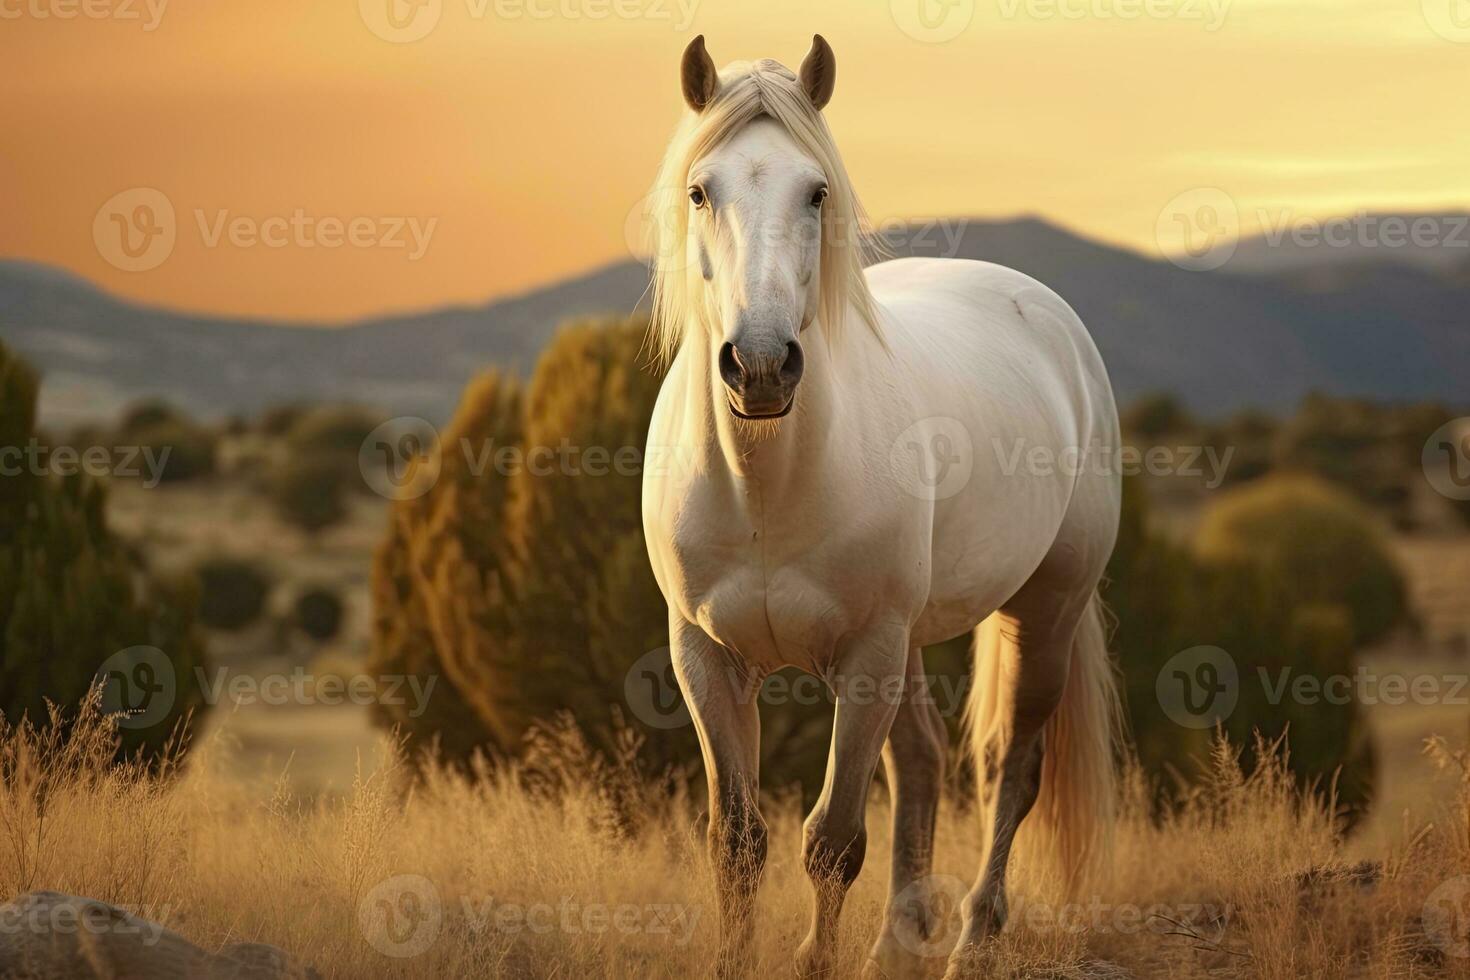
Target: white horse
(867, 462)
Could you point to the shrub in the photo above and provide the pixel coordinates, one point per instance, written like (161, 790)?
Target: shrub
(148, 413)
(1167, 601)
(278, 420)
(318, 613)
(1358, 445)
(191, 450)
(309, 492)
(436, 579)
(1314, 545)
(234, 593)
(1248, 437)
(481, 582)
(73, 599)
(186, 449)
(335, 429)
(1155, 416)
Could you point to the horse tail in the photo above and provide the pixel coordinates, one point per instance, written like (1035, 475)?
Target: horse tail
(1070, 830)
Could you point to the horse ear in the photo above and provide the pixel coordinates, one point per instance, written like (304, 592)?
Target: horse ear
(819, 72)
(698, 75)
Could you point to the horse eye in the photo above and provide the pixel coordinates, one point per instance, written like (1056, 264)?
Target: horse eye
(819, 196)
(696, 194)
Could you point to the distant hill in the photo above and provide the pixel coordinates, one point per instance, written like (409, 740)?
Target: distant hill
(1220, 340)
(1432, 242)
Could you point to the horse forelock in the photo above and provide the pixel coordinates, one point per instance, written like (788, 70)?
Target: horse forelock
(749, 91)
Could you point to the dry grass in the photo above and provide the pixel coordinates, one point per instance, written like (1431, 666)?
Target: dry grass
(1246, 880)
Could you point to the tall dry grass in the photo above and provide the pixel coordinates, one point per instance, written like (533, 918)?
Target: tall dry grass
(577, 866)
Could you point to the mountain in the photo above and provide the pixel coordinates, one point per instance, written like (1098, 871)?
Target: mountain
(99, 353)
(1432, 242)
(1220, 340)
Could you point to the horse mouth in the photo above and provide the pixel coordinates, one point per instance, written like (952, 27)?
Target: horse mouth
(762, 416)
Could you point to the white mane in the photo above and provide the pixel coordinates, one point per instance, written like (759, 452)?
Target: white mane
(749, 90)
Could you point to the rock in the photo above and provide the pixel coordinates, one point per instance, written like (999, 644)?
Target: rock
(51, 936)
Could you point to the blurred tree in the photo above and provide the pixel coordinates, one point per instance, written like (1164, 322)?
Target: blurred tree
(1249, 437)
(309, 492)
(73, 598)
(480, 579)
(1353, 443)
(318, 612)
(438, 577)
(1171, 606)
(1314, 545)
(1157, 415)
(185, 449)
(233, 592)
(278, 420)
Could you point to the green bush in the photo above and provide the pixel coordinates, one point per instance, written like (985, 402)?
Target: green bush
(148, 413)
(1156, 416)
(333, 429)
(309, 492)
(318, 613)
(186, 449)
(436, 582)
(1371, 450)
(234, 592)
(482, 584)
(1170, 603)
(278, 420)
(1249, 438)
(74, 600)
(1314, 545)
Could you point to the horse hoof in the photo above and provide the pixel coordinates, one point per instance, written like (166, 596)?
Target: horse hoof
(896, 968)
(811, 962)
(967, 962)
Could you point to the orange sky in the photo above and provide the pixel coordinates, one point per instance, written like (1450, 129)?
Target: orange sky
(518, 135)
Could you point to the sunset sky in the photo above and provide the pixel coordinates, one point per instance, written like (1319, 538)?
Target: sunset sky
(517, 136)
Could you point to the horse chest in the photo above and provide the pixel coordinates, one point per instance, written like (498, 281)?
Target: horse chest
(776, 602)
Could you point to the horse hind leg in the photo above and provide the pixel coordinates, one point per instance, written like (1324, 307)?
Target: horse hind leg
(1041, 654)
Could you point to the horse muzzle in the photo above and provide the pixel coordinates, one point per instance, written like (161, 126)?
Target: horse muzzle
(760, 382)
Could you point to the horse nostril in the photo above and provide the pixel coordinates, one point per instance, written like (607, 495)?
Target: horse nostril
(794, 364)
(730, 370)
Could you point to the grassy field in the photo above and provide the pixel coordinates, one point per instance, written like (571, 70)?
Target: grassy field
(299, 825)
(567, 868)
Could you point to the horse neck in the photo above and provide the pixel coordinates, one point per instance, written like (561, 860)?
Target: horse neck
(779, 456)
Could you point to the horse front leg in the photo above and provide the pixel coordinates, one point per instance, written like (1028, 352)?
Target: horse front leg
(721, 694)
(913, 765)
(869, 683)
